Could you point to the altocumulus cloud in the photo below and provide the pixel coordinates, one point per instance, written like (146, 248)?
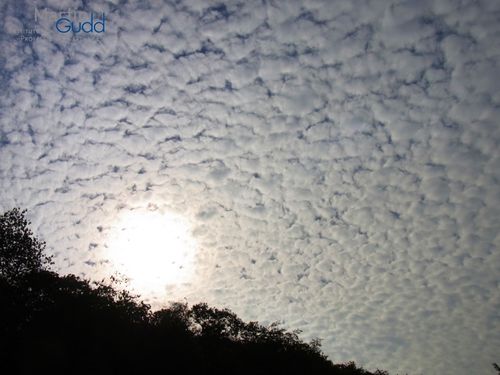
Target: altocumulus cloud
(339, 160)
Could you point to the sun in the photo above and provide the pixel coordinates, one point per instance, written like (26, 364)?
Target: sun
(152, 250)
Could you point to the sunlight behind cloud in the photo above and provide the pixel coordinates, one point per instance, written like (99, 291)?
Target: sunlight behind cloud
(337, 162)
(152, 249)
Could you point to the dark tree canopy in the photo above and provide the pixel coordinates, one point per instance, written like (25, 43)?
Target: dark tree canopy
(20, 251)
(68, 325)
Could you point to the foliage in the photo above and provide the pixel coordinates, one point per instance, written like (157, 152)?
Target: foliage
(64, 324)
(20, 251)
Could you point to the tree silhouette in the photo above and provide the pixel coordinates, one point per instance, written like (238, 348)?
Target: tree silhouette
(68, 325)
(20, 251)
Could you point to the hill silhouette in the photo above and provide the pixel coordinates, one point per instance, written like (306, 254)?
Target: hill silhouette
(57, 324)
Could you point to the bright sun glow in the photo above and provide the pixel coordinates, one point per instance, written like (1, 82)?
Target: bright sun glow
(153, 250)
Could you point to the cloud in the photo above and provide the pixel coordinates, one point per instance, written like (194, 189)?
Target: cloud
(338, 160)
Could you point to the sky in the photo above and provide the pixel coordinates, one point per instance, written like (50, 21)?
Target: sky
(337, 162)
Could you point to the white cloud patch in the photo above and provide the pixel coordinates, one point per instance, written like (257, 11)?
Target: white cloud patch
(338, 160)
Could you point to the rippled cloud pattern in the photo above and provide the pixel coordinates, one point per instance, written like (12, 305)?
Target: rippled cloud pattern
(339, 160)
